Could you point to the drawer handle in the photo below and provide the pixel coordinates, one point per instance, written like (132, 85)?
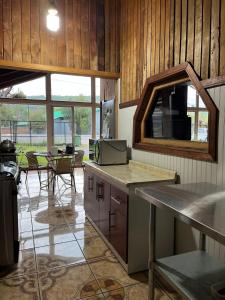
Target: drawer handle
(115, 200)
(100, 191)
(90, 184)
(110, 222)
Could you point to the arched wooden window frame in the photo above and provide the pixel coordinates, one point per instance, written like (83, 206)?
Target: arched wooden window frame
(194, 150)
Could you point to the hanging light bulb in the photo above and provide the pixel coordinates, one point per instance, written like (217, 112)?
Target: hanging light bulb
(53, 18)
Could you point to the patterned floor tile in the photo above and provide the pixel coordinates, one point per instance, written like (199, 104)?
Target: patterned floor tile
(43, 221)
(94, 248)
(134, 292)
(83, 230)
(58, 255)
(96, 297)
(60, 230)
(26, 265)
(19, 288)
(25, 225)
(75, 217)
(53, 235)
(26, 240)
(72, 282)
(110, 274)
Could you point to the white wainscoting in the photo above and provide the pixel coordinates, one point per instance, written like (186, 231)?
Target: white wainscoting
(189, 170)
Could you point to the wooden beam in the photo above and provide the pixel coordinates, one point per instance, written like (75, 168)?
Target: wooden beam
(56, 69)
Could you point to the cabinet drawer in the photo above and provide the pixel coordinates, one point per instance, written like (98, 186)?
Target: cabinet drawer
(118, 196)
(118, 221)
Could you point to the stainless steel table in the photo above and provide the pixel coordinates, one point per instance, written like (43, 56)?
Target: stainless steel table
(201, 205)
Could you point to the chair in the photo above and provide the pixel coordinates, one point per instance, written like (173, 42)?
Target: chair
(78, 159)
(33, 165)
(63, 166)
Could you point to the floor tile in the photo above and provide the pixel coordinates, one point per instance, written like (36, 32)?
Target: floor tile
(110, 274)
(26, 265)
(58, 255)
(95, 297)
(43, 221)
(72, 282)
(94, 248)
(74, 217)
(134, 292)
(25, 225)
(53, 235)
(60, 230)
(83, 230)
(26, 240)
(24, 214)
(47, 211)
(19, 288)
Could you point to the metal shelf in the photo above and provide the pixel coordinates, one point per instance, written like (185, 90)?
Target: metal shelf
(191, 274)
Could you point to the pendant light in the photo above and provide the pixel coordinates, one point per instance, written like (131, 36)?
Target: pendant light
(52, 17)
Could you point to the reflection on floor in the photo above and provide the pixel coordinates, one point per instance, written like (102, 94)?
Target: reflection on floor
(61, 254)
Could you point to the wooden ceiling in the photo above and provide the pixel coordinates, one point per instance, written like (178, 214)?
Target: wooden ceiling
(10, 77)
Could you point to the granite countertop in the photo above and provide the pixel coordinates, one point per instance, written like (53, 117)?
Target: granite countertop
(134, 172)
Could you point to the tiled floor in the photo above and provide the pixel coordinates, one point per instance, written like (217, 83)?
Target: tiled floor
(61, 254)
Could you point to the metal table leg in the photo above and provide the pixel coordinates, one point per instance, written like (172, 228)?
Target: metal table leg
(152, 224)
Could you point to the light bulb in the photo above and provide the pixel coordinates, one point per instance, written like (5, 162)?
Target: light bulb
(53, 19)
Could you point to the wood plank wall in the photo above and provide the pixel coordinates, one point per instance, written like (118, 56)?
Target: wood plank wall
(88, 37)
(159, 34)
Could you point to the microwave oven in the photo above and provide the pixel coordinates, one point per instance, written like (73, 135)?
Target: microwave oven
(108, 151)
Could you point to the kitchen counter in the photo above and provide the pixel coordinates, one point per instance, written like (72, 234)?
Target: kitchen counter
(201, 205)
(133, 173)
(120, 216)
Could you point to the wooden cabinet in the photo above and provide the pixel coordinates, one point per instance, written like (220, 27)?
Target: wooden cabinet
(106, 206)
(103, 196)
(91, 204)
(118, 221)
(97, 201)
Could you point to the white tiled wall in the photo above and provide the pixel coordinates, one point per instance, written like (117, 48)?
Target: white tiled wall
(189, 170)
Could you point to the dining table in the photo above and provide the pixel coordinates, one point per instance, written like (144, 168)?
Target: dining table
(50, 157)
(48, 154)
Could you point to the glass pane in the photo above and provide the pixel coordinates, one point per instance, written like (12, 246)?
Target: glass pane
(83, 127)
(203, 126)
(97, 89)
(201, 103)
(62, 126)
(29, 133)
(32, 89)
(97, 116)
(191, 114)
(71, 88)
(192, 96)
(170, 117)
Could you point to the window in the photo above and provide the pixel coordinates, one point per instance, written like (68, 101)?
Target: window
(71, 88)
(32, 89)
(97, 89)
(63, 126)
(83, 126)
(176, 116)
(97, 116)
(70, 111)
(199, 116)
(23, 124)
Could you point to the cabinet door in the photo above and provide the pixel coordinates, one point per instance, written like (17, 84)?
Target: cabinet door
(91, 205)
(103, 195)
(118, 221)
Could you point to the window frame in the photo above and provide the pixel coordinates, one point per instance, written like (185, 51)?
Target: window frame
(49, 103)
